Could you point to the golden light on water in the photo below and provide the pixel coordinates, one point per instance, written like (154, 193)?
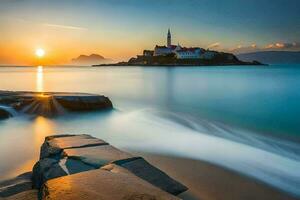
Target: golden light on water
(42, 127)
(37, 131)
(39, 79)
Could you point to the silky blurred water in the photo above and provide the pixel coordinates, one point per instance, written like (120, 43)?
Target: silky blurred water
(242, 118)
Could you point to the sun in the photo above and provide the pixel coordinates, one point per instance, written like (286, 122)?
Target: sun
(40, 52)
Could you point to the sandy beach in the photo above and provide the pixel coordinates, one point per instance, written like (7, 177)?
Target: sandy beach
(208, 182)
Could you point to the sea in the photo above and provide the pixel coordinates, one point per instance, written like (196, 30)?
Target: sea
(243, 118)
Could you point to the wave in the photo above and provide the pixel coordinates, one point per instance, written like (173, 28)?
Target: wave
(269, 142)
(10, 110)
(269, 159)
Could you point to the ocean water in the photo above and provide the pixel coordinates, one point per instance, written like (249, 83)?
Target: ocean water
(245, 118)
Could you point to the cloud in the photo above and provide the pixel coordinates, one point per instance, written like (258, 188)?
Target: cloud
(214, 45)
(49, 24)
(284, 46)
(243, 49)
(293, 46)
(64, 26)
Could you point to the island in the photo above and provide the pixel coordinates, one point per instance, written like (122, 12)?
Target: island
(176, 55)
(87, 60)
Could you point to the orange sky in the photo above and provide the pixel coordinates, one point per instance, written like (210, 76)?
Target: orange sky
(20, 38)
(60, 44)
(122, 29)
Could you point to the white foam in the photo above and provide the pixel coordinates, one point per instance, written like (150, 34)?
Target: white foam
(10, 110)
(257, 158)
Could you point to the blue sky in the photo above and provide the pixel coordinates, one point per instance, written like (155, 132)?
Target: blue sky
(229, 25)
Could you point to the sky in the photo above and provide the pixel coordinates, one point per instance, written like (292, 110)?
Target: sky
(120, 29)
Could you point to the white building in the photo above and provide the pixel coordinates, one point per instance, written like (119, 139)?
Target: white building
(162, 50)
(165, 50)
(188, 53)
(180, 52)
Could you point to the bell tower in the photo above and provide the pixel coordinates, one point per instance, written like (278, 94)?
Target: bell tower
(169, 41)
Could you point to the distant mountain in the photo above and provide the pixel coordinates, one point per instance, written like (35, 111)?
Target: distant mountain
(92, 59)
(272, 57)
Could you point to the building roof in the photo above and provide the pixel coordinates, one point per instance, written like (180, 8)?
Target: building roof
(173, 46)
(184, 49)
(162, 47)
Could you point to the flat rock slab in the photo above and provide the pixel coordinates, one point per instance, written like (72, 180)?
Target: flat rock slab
(104, 185)
(83, 102)
(72, 166)
(55, 163)
(53, 103)
(63, 155)
(16, 185)
(54, 145)
(74, 141)
(97, 156)
(26, 195)
(153, 175)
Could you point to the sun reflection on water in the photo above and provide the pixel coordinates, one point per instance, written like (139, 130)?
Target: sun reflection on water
(39, 79)
(42, 127)
(32, 141)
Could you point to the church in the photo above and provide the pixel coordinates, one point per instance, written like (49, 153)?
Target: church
(180, 52)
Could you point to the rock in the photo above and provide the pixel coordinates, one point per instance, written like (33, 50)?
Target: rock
(97, 156)
(16, 185)
(72, 166)
(48, 151)
(74, 141)
(153, 175)
(4, 114)
(104, 185)
(54, 145)
(63, 155)
(84, 103)
(53, 161)
(53, 103)
(26, 195)
(45, 169)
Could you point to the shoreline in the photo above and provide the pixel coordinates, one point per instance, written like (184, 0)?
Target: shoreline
(179, 65)
(129, 65)
(207, 181)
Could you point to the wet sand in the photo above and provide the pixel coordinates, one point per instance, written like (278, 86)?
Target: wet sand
(207, 181)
